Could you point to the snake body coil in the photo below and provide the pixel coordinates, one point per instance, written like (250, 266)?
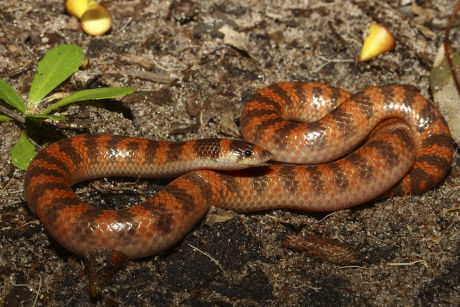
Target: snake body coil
(409, 150)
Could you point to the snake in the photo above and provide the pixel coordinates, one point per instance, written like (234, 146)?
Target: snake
(329, 149)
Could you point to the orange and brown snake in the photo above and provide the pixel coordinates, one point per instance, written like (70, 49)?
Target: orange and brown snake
(408, 153)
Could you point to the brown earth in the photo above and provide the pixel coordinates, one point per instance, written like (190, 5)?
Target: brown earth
(191, 83)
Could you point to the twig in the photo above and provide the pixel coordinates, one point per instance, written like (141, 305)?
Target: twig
(13, 114)
(446, 47)
(37, 292)
(329, 61)
(352, 267)
(209, 256)
(408, 263)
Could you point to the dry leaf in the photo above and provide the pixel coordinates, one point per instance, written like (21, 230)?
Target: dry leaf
(234, 38)
(444, 91)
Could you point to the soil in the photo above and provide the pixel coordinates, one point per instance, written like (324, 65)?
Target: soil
(192, 82)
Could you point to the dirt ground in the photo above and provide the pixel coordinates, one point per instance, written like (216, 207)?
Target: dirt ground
(192, 83)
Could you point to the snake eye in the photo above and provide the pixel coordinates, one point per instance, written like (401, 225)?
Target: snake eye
(247, 153)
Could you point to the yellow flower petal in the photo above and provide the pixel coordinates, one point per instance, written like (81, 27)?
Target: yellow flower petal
(96, 20)
(76, 7)
(378, 41)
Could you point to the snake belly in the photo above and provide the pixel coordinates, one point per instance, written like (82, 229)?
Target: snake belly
(406, 148)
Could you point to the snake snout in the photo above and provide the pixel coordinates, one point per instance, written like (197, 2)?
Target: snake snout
(265, 156)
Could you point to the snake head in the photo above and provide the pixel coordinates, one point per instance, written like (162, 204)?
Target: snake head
(246, 154)
(225, 154)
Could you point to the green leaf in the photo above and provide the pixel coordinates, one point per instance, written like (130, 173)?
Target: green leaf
(23, 152)
(11, 97)
(91, 94)
(56, 66)
(4, 118)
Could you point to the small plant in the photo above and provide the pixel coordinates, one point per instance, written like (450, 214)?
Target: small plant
(55, 67)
